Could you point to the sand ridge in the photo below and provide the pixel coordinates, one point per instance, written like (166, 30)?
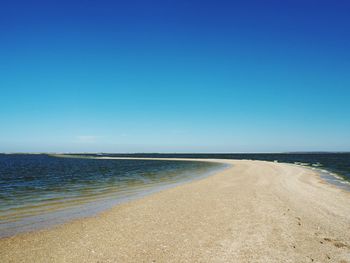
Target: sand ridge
(253, 211)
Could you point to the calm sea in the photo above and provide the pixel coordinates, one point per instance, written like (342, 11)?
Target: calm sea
(38, 190)
(337, 163)
(332, 167)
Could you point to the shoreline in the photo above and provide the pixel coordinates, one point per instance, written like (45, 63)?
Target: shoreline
(86, 209)
(251, 211)
(330, 176)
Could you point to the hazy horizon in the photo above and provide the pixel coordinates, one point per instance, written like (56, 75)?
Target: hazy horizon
(164, 153)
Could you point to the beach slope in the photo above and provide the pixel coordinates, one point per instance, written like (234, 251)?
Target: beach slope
(253, 211)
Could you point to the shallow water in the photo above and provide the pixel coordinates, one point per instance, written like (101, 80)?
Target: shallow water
(41, 190)
(336, 163)
(332, 167)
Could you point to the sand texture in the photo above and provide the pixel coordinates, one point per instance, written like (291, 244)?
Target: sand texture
(253, 211)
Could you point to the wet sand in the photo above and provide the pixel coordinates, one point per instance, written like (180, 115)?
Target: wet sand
(254, 211)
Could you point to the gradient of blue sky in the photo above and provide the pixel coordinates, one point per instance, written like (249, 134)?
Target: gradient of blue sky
(175, 76)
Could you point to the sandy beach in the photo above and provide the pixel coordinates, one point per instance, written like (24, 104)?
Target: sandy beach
(253, 211)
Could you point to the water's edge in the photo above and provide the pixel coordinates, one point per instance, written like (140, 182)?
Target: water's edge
(59, 217)
(54, 218)
(330, 177)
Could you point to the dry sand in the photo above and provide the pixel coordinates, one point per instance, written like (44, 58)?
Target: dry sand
(252, 212)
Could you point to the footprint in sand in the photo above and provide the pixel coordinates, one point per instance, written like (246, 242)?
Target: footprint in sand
(336, 243)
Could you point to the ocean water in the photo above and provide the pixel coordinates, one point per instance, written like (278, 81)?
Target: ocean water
(40, 190)
(335, 163)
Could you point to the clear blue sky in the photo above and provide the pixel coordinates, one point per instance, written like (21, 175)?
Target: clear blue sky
(175, 76)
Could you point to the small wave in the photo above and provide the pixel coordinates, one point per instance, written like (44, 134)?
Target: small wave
(334, 179)
(302, 164)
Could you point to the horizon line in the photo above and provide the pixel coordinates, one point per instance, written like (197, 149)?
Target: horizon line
(292, 152)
